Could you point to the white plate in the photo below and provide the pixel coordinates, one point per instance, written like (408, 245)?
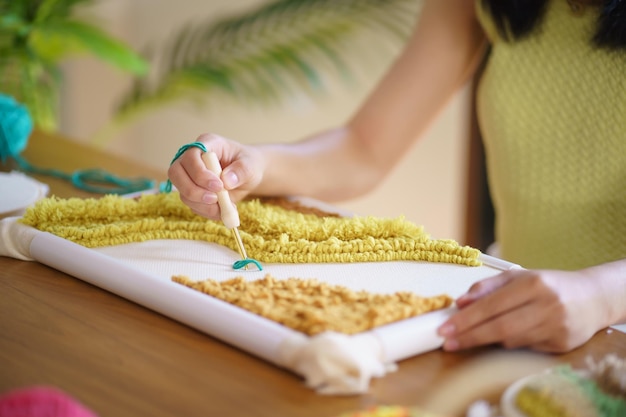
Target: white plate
(507, 401)
(17, 192)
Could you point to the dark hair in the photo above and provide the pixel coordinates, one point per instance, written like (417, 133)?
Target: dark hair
(517, 18)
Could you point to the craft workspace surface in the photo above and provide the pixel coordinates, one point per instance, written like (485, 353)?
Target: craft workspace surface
(121, 359)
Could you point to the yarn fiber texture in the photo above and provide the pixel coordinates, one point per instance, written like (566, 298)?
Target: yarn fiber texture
(270, 233)
(16, 125)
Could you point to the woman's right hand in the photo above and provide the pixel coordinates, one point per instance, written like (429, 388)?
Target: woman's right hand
(242, 171)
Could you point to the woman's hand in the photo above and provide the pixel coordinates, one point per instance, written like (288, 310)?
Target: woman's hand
(552, 311)
(242, 171)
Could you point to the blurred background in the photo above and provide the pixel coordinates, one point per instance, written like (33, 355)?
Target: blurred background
(428, 187)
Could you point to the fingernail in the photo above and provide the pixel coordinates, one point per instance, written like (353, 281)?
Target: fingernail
(209, 198)
(462, 298)
(231, 180)
(214, 186)
(447, 329)
(450, 345)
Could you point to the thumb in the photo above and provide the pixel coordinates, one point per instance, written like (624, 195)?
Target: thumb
(230, 177)
(242, 173)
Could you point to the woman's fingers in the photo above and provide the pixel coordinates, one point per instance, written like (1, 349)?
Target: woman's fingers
(524, 308)
(522, 325)
(191, 177)
(242, 166)
(242, 171)
(485, 300)
(196, 184)
(502, 309)
(484, 287)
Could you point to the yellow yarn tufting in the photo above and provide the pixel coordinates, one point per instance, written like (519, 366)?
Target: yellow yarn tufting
(270, 233)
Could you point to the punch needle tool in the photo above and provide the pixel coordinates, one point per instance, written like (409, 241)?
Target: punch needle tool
(229, 213)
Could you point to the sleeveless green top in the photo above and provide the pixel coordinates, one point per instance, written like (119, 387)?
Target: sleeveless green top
(552, 112)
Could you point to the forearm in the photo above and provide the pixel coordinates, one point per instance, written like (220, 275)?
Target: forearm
(441, 57)
(329, 166)
(344, 163)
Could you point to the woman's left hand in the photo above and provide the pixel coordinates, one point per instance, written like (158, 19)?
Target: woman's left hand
(552, 311)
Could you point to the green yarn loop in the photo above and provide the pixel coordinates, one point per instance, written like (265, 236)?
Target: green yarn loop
(167, 187)
(243, 262)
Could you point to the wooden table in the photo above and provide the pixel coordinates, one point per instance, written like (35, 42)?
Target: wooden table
(121, 359)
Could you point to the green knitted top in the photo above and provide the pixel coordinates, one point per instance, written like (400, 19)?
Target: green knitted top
(552, 110)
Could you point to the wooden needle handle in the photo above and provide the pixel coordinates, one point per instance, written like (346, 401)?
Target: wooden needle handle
(230, 216)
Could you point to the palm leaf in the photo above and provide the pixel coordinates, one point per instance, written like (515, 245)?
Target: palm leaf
(285, 47)
(56, 39)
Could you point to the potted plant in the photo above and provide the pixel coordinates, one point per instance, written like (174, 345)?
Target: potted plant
(35, 37)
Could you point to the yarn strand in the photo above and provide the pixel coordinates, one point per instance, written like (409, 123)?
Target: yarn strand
(167, 186)
(96, 180)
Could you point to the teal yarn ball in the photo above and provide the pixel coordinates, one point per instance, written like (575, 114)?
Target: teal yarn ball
(16, 125)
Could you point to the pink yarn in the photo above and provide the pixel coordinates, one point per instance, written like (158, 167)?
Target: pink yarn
(41, 401)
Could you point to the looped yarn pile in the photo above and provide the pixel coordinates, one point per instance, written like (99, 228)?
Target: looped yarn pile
(270, 233)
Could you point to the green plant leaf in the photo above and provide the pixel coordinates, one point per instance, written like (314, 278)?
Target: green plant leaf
(283, 48)
(35, 85)
(55, 9)
(34, 36)
(56, 39)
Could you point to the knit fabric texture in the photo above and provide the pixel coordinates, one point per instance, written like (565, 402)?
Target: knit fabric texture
(269, 232)
(552, 111)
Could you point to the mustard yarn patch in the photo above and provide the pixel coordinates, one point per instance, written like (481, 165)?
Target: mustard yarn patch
(270, 233)
(312, 307)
